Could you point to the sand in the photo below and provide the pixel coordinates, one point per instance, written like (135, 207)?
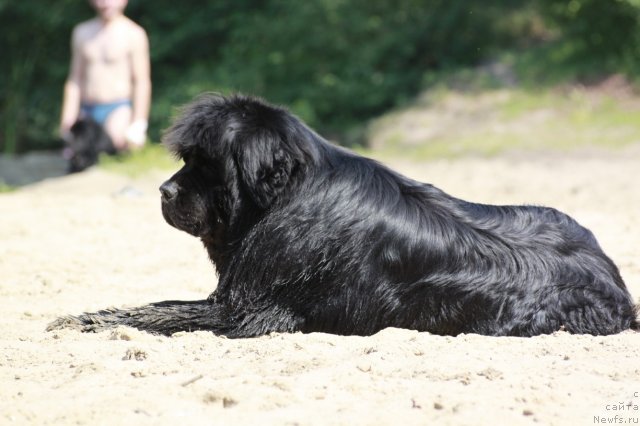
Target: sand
(97, 239)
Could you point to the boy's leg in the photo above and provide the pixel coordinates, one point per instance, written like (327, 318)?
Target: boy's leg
(116, 126)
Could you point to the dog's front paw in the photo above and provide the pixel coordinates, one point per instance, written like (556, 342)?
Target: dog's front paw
(82, 323)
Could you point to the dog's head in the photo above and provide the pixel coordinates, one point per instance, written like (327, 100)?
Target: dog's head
(241, 158)
(86, 141)
(81, 145)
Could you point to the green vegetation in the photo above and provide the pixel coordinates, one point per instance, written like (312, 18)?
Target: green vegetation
(336, 63)
(450, 123)
(4, 188)
(151, 157)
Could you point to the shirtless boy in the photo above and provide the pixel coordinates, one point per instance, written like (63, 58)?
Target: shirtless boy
(109, 78)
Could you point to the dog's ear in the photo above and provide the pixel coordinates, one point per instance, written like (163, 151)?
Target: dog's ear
(266, 167)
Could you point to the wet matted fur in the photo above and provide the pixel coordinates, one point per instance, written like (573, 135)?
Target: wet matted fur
(307, 236)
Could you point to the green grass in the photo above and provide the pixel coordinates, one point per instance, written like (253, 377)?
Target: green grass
(489, 122)
(137, 163)
(4, 188)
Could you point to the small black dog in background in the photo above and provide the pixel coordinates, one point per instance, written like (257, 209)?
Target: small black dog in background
(87, 141)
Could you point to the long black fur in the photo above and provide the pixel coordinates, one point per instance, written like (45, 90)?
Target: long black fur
(309, 237)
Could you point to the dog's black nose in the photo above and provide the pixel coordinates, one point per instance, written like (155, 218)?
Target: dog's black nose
(169, 190)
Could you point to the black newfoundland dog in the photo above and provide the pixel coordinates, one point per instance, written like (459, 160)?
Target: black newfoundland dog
(310, 237)
(86, 142)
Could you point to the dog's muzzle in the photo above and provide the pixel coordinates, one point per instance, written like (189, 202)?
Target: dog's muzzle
(169, 190)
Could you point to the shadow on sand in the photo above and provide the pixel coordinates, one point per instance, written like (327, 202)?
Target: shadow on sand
(21, 170)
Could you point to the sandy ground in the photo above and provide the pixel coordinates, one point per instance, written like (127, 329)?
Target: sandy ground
(97, 239)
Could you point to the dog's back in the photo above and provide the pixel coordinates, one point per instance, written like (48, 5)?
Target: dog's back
(500, 270)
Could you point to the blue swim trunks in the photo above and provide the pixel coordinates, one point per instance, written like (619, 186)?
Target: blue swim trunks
(100, 112)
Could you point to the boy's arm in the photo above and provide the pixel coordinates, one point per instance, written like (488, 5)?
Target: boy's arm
(71, 95)
(141, 79)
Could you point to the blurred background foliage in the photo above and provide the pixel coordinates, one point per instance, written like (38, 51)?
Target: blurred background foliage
(336, 63)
